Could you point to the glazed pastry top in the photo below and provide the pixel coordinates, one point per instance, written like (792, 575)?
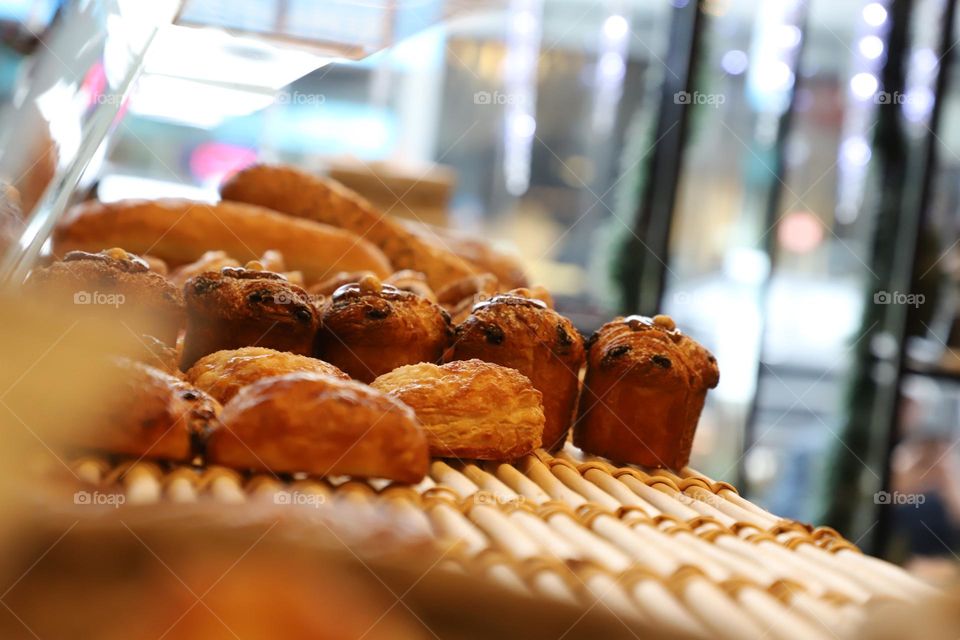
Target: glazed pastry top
(653, 348)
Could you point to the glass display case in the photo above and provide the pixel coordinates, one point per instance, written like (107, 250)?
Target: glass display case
(712, 159)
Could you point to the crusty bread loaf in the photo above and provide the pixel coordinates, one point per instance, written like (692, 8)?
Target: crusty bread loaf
(180, 231)
(324, 200)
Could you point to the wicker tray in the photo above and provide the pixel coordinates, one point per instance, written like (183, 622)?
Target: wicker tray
(681, 552)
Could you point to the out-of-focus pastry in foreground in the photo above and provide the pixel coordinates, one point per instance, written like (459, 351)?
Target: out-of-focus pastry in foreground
(181, 231)
(470, 408)
(324, 200)
(320, 425)
(158, 354)
(371, 328)
(223, 373)
(11, 220)
(645, 387)
(526, 335)
(138, 576)
(242, 307)
(152, 415)
(100, 283)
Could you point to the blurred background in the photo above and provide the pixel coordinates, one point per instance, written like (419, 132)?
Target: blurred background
(781, 177)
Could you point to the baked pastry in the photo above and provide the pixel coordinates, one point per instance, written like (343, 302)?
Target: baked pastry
(453, 294)
(180, 231)
(156, 265)
(526, 335)
(535, 292)
(223, 373)
(328, 286)
(240, 307)
(320, 425)
(370, 328)
(209, 261)
(217, 260)
(470, 408)
(99, 283)
(412, 281)
(152, 415)
(646, 384)
(324, 200)
(506, 266)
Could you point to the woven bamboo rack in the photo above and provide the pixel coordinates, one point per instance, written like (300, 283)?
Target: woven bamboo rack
(681, 552)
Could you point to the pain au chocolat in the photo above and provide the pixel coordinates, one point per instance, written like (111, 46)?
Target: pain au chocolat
(525, 334)
(318, 424)
(152, 415)
(645, 387)
(223, 373)
(470, 408)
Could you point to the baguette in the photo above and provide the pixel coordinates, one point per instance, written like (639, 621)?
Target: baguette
(324, 200)
(180, 231)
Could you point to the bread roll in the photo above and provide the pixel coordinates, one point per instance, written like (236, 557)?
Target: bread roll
(324, 200)
(181, 231)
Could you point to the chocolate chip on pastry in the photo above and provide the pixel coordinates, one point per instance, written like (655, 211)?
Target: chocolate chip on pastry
(99, 283)
(240, 307)
(180, 231)
(645, 387)
(371, 328)
(223, 373)
(524, 334)
(318, 424)
(470, 408)
(153, 415)
(327, 201)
